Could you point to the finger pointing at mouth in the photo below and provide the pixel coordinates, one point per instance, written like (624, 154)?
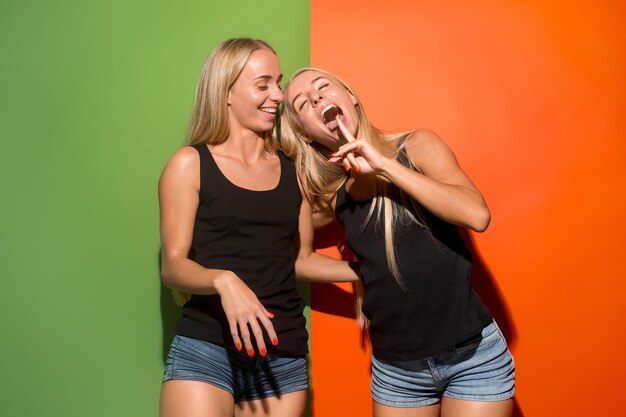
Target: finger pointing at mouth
(344, 130)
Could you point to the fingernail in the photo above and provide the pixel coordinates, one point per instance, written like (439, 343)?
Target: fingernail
(347, 168)
(238, 346)
(272, 315)
(263, 352)
(356, 168)
(275, 342)
(333, 154)
(250, 352)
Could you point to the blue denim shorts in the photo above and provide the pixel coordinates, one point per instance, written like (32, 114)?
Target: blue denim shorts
(480, 370)
(246, 378)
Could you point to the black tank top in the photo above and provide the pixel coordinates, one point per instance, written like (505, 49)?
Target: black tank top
(250, 233)
(439, 309)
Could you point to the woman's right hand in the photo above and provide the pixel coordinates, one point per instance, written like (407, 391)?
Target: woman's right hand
(244, 313)
(358, 153)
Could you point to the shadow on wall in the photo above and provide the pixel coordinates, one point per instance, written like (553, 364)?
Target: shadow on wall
(486, 286)
(336, 301)
(339, 302)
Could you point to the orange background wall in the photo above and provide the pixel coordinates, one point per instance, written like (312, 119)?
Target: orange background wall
(531, 96)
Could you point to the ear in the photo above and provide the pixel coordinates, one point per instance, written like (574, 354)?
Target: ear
(228, 98)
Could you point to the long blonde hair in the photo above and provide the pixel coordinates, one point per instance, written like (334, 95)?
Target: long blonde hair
(209, 117)
(321, 180)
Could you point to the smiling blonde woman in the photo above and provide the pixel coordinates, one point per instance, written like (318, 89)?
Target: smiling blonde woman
(230, 205)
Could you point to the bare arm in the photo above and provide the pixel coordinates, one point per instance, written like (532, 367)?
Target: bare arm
(311, 266)
(178, 200)
(179, 188)
(442, 187)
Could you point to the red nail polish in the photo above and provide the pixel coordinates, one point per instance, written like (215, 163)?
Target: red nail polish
(250, 352)
(275, 342)
(357, 169)
(345, 165)
(263, 352)
(272, 315)
(238, 346)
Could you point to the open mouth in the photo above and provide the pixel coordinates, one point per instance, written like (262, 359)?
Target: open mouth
(329, 113)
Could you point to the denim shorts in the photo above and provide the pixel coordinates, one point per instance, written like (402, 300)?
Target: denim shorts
(480, 370)
(246, 378)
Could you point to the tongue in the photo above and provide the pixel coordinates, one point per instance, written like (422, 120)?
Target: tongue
(332, 125)
(330, 116)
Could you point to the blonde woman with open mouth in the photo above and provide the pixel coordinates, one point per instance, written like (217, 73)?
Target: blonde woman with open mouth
(400, 198)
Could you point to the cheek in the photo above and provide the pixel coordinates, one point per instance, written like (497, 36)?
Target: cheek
(248, 98)
(309, 126)
(302, 122)
(254, 96)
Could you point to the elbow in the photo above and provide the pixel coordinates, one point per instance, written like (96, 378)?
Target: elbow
(481, 220)
(300, 267)
(297, 269)
(303, 263)
(173, 270)
(165, 278)
(166, 274)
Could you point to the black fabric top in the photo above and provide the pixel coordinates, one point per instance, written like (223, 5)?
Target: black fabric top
(250, 233)
(439, 309)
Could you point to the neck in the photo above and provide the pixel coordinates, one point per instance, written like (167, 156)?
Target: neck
(243, 144)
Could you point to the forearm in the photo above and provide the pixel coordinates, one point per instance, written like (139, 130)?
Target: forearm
(188, 276)
(456, 204)
(319, 268)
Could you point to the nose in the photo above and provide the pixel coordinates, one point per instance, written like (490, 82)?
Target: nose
(277, 94)
(317, 98)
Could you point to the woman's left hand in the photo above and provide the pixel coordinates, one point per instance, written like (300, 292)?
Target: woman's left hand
(358, 154)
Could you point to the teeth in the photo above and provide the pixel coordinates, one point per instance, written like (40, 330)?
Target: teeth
(330, 106)
(326, 111)
(270, 110)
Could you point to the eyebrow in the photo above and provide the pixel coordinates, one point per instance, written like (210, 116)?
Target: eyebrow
(313, 81)
(267, 77)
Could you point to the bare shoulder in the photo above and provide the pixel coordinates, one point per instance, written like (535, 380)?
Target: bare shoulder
(184, 158)
(424, 144)
(183, 167)
(423, 139)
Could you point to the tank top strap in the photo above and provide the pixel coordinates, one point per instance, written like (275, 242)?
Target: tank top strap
(403, 156)
(209, 171)
(288, 175)
(286, 170)
(341, 199)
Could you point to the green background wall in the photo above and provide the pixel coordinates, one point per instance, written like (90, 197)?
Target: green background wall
(94, 97)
